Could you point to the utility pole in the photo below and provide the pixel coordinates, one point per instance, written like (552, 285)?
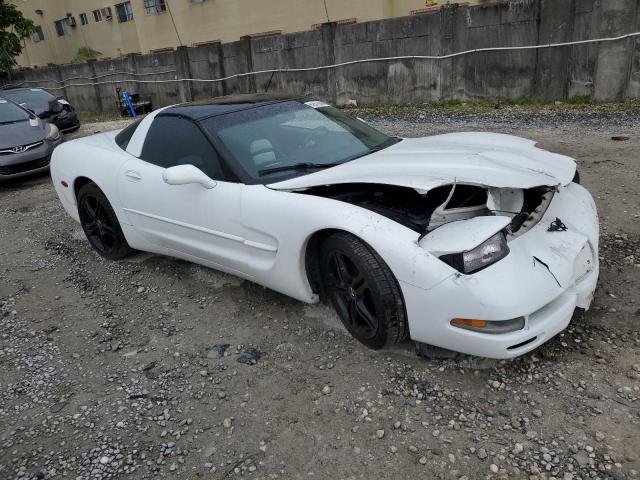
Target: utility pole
(173, 22)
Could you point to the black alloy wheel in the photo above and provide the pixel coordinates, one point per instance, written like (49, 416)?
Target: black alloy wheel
(352, 296)
(100, 223)
(363, 291)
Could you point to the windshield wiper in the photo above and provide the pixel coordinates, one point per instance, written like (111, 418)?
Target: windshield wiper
(320, 166)
(297, 166)
(377, 148)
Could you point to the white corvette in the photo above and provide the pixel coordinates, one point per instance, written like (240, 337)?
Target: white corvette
(473, 242)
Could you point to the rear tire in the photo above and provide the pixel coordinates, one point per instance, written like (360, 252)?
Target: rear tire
(100, 223)
(363, 291)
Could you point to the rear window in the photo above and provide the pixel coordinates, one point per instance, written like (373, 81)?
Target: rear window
(124, 137)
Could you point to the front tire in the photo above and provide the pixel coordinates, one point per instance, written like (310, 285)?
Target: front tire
(100, 223)
(363, 291)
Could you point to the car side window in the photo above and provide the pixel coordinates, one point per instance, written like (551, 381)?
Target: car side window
(124, 137)
(173, 141)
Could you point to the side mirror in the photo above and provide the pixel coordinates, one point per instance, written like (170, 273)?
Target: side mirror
(187, 175)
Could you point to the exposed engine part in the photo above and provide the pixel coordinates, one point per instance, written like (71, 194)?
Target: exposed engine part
(505, 201)
(403, 205)
(535, 204)
(423, 213)
(463, 202)
(409, 208)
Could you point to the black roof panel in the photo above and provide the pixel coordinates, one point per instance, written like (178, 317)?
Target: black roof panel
(202, 109)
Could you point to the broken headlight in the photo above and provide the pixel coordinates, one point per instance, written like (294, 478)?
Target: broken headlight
(485, 254)
(54, 133)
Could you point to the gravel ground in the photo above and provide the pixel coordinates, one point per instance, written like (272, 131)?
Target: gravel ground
(153, 367)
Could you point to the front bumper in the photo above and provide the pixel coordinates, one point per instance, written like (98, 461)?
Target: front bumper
(15, 165)
(520, 285)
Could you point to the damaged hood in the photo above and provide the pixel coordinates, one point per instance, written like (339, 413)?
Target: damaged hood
(486, 159)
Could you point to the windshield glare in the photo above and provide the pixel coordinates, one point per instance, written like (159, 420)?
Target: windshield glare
(11, 113)
(291, 133)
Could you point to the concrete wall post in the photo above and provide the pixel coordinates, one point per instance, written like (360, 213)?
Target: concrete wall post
(329, 54)
(446, 78)
(57, 71)
(614, 58)
(96, 87)
(633, 87)
(555, 25)
(222, 70)
(183, 70)
(247, 50)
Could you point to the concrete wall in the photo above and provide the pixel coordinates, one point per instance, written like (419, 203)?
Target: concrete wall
(608, 70)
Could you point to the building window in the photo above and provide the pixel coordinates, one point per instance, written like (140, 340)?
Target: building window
(124, 12)
(97, 15)
(155, 6)
(62, 27)
(38, 35)
(83, 19)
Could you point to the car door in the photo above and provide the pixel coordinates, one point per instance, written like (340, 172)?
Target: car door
(188, 221)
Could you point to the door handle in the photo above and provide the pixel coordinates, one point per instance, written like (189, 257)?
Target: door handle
(133, 176)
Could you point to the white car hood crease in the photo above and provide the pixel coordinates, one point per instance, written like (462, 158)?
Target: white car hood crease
(487, 159)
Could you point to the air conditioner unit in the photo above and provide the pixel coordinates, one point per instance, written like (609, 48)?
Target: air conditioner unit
(106, 13)
(195, 2)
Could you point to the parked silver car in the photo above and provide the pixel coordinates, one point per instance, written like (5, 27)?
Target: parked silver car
(26, 142)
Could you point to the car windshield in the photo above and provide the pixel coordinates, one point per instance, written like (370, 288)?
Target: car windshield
(12, 113)
(293, 138)
(27, 95)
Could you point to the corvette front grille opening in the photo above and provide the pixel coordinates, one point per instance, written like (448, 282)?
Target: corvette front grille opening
(521, 344)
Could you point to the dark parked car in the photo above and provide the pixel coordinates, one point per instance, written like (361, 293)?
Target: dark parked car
(52, 109)
(26, 142)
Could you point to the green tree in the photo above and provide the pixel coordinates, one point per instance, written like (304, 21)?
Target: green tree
(13, 29)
